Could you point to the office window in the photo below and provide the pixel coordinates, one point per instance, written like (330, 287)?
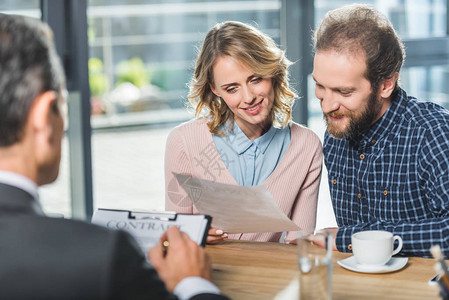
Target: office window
(411, 19)
(429, 82)
(141, 57)
(30, 8)
(146, 50)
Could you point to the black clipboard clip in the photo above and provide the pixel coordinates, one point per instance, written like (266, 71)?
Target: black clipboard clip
(160, 216)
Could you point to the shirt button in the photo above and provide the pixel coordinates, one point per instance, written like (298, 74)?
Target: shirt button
(362, 156)
(373, 141)
(350, 247)
(385, 192)
(359, 195)
(334, 181)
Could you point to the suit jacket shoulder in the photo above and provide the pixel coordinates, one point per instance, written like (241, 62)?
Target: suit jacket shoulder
(47, 258)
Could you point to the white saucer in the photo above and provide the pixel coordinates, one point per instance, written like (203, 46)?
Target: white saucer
(394, 264)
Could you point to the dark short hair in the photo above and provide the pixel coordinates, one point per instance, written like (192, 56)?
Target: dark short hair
(29, 66)
(357, 27)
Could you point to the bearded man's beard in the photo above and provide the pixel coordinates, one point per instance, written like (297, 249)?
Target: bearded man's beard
(359, 122)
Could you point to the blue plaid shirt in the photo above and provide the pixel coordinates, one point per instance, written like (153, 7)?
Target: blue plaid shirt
(394, 177)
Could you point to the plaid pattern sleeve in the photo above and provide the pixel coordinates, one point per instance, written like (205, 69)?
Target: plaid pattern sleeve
(395, 177)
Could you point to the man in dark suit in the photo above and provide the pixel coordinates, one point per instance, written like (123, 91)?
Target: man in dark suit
(47, 258)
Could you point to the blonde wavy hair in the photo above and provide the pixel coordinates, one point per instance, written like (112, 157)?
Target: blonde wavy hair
(254, 49)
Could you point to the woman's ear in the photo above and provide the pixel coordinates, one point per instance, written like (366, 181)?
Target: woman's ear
(213, 90)
(388, 85)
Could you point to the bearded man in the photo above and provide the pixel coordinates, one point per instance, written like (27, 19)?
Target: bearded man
(387, 154)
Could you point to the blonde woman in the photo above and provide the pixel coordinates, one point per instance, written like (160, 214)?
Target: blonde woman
(243, 133)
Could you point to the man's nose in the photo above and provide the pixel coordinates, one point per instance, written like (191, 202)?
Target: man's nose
(329, 102)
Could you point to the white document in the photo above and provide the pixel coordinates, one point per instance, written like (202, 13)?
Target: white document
(147, 228)
(236, 209)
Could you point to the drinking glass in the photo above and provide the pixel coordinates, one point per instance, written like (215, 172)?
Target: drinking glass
(315, 265)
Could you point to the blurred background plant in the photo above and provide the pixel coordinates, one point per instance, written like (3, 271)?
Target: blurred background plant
(132, 71)
(98, 83)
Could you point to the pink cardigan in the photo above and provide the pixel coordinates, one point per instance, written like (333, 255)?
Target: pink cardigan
(294, 184)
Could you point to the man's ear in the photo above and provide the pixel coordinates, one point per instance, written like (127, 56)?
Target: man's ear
(388, 85)
(41, 111)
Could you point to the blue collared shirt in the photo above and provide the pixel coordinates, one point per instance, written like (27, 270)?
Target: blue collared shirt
(394, 177)
(251, 162)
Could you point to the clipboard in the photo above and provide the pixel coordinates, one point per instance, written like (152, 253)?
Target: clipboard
(148, 227)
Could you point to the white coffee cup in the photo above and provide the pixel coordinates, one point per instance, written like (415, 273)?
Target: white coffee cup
(374, 247)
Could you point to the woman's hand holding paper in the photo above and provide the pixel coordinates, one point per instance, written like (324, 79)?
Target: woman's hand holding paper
(216, 236)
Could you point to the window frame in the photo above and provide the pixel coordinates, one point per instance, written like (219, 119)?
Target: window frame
(68, 18)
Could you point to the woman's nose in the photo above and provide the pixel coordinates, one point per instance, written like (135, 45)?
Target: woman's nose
(249, 96)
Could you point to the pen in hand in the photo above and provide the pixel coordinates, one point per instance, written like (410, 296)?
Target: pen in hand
(165, 245)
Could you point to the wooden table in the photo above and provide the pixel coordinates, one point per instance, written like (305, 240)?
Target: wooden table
(254, 270)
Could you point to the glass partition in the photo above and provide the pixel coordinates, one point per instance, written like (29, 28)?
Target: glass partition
(427, 83)
(411, 19)
(30, 8)
(141, 58)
